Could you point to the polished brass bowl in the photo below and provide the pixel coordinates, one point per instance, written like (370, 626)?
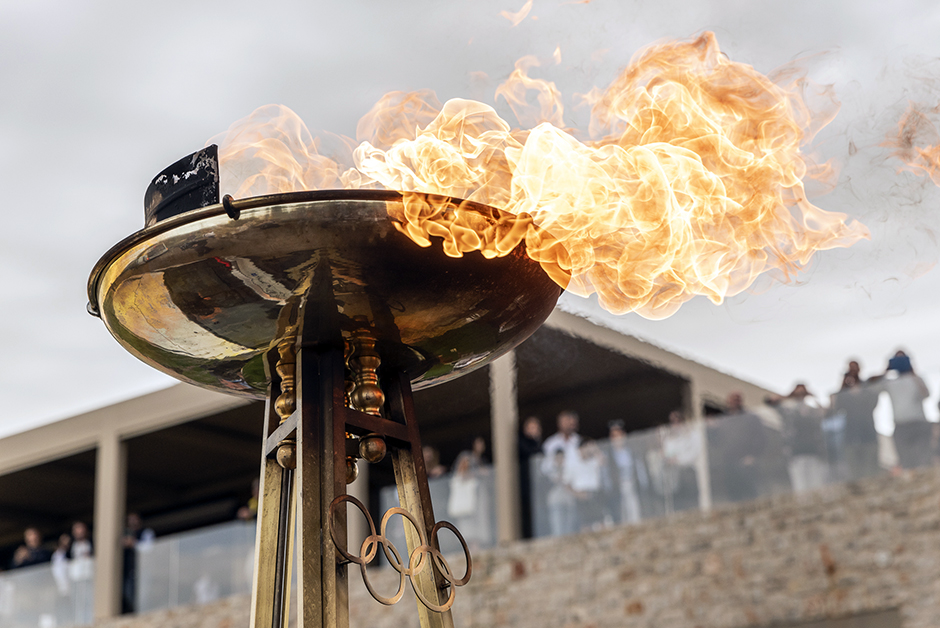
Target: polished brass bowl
(202, 296)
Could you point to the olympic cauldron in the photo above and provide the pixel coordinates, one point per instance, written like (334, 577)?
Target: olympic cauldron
(316, 302)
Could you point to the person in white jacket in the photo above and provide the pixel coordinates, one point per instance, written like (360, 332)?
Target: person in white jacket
(913, 434)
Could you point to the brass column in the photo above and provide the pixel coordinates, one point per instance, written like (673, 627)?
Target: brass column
(312, 442)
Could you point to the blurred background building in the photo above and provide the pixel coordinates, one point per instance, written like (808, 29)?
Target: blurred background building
(599, 480)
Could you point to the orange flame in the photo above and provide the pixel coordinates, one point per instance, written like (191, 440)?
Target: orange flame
(690, 182)
(517, 17)
(272, 151)
(917, 143)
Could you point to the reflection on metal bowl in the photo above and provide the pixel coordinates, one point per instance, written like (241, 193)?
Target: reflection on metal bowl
(202, 296)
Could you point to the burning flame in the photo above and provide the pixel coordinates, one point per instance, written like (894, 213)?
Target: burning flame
(517, 17)
(689, 182)
(918, 142)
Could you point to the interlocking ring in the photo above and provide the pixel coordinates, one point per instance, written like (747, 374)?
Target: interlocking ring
(422, 555)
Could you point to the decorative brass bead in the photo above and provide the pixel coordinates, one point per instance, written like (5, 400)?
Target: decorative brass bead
(368, 398)
(364, 362)
(285, 405)
(352, 470)
(372, 448)
(286, 368)
(287, 454)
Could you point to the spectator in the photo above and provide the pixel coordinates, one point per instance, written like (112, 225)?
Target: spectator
(81, 547)
(468, 503)
(626, 475)
(32, 551)
(855, 370)
(913, 434)
(432, 462)
(562, 457)
(81, 573)
(856, 403)
(742, 440)
(802, 429)
(682, 450)
(136, 538)
(566, 440)
(60, 575)
(588, 482)
(530, 444)
(773, 463)
(60, 565)
(560, 499)
(476, 454)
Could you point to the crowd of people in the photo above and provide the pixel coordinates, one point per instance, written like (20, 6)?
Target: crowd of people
(73, 566)
(570, 483)
(581, 483)
(793, 443)
(823, 442)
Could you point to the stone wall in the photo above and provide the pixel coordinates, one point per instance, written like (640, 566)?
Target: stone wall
(846, 550)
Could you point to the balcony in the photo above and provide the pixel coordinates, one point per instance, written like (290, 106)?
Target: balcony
(647, 475)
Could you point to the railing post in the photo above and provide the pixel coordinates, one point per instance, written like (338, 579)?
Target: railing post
(694, 411)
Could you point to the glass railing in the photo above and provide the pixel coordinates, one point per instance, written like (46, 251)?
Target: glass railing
(588, 485)
(597, 484)
(201, 566)
(50, 595)
(582, 487)
(468, 500)
(195, 567)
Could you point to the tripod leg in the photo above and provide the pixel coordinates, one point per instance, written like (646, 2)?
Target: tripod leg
(321, 465)
(273, 543)
(415, 497)
(270, 591)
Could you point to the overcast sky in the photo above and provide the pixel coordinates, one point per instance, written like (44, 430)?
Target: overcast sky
(97, 97)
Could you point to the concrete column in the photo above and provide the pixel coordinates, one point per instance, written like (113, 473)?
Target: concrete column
(694, 411)
(357, 528)
(110, 504)
(504, 419)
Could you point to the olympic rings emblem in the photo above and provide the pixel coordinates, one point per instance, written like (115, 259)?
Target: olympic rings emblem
(418, 560)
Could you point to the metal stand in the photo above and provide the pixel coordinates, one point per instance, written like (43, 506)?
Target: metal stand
(295, 296)
(312, 441)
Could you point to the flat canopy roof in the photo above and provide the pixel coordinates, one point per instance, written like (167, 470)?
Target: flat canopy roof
(192, 454)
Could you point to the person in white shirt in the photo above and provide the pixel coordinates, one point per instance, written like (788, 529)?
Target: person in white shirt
(566, 440)
(562, 458)
(590, 484)
(682, 448)
(913, 434)
(82, 573)
(60, 565)
(625, 472)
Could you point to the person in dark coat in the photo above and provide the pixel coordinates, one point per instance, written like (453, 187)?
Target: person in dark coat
(530, 444)
(31, 552)
(856, 403)
(804, 439)
(743, 440)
